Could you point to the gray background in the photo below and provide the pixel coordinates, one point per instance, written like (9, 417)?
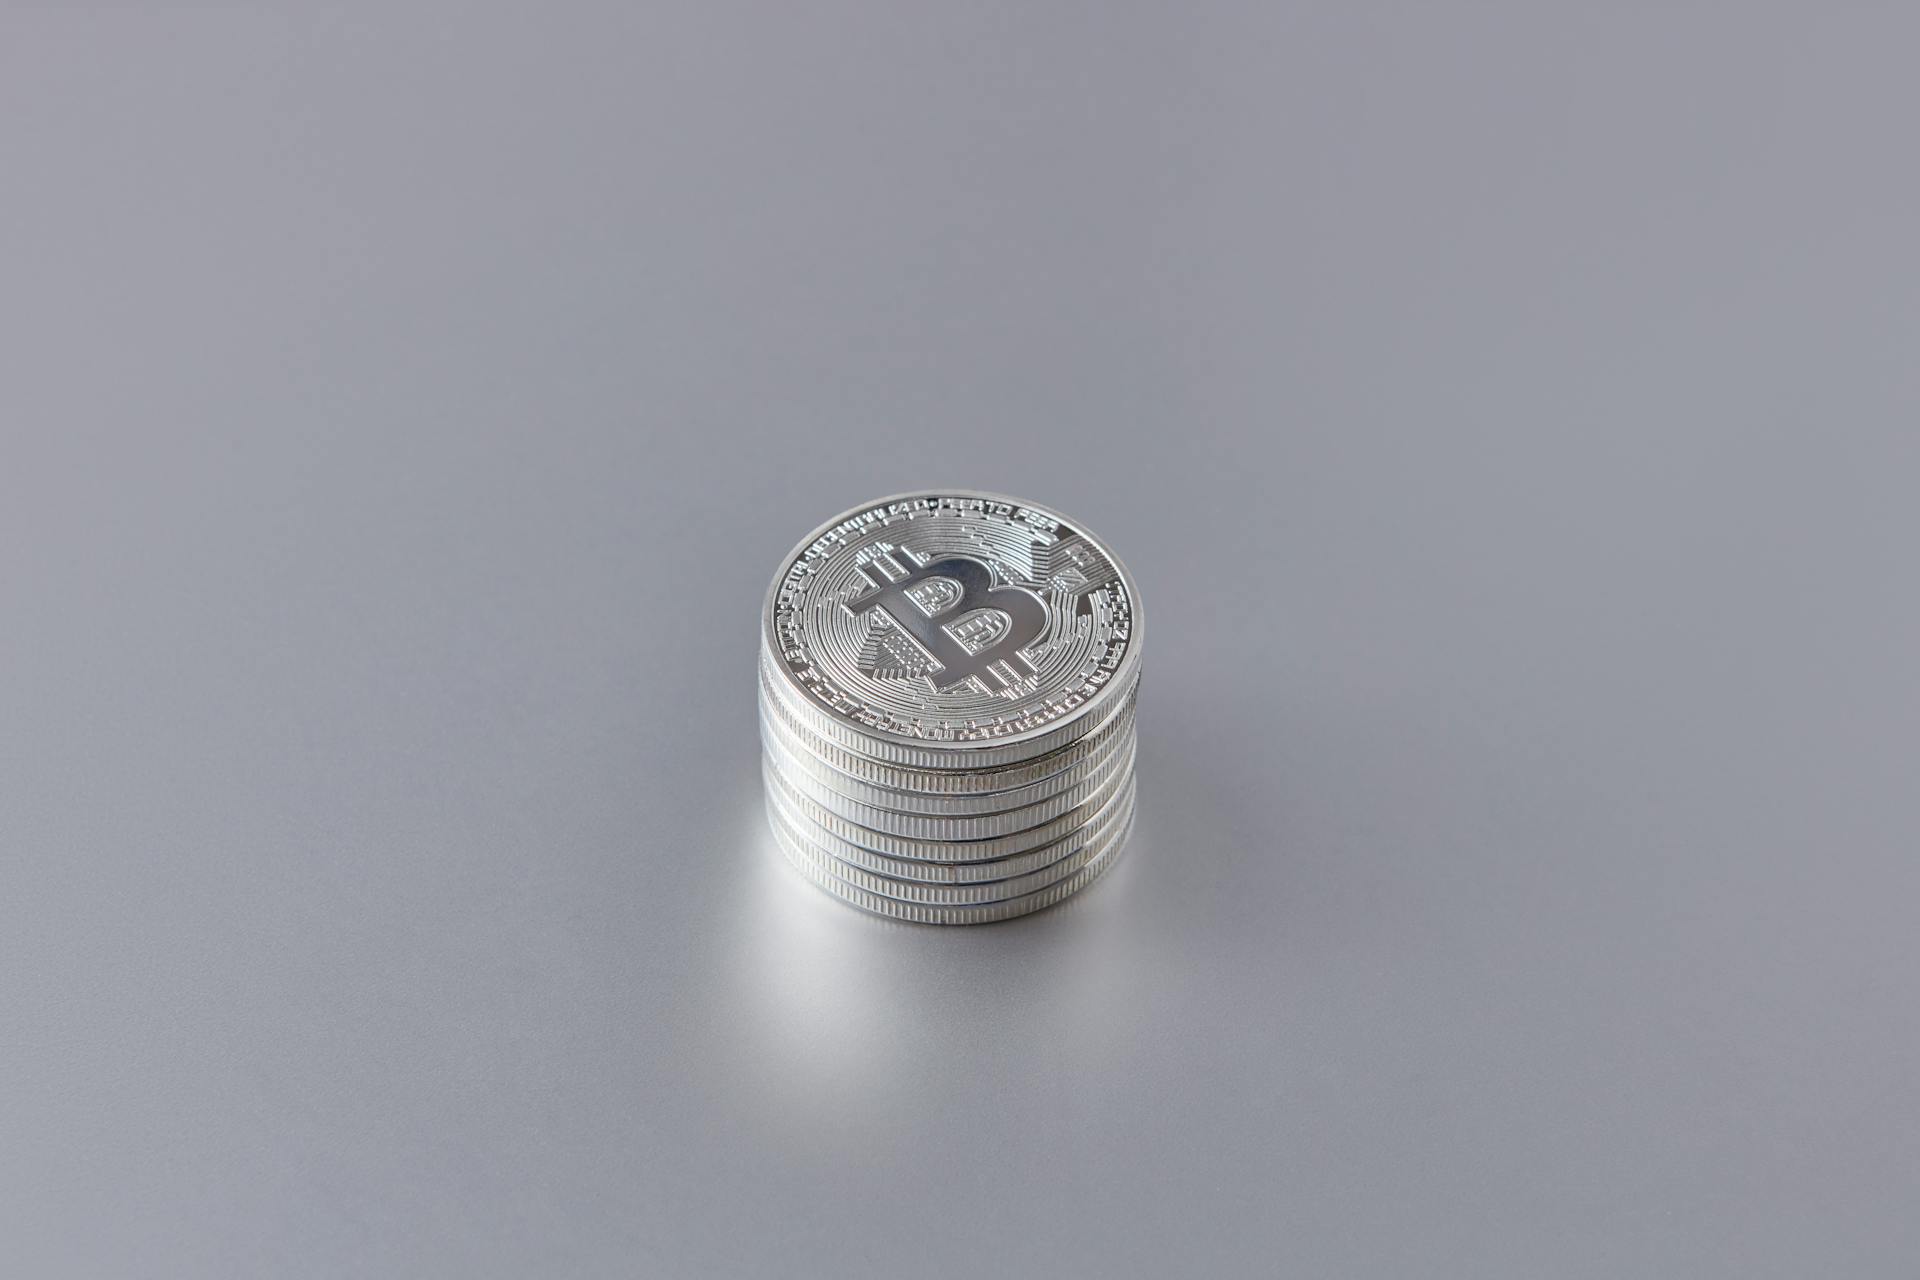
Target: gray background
(1509, 412)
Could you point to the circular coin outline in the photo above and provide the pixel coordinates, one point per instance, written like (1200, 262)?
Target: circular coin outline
(985, 751)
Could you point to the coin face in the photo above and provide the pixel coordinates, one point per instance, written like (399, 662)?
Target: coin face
(953, 618)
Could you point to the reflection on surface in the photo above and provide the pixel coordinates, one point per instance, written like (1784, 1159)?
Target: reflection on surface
(844, 1016)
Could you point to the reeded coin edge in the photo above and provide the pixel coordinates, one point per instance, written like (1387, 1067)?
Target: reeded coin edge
(1009, 867)
(798, 760)
(795, 762)
(987, 849)
(1009, 909)
(973, 893)
(984, 826)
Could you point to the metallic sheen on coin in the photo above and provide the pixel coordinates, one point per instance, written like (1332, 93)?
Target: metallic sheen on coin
(947, 691)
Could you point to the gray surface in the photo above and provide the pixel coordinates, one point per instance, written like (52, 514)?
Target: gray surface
(1511, 418)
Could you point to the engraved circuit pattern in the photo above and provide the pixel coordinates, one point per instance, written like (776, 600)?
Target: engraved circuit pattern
(882, 668)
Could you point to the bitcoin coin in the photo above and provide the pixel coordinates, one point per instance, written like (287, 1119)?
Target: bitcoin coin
(948, 687)
(960, 629)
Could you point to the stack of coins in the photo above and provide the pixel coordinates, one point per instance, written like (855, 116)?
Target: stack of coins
(947, 689)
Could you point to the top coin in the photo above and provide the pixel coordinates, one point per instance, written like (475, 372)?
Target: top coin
(953, 620)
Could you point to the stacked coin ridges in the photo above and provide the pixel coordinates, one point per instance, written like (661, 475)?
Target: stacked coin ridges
(948, 683)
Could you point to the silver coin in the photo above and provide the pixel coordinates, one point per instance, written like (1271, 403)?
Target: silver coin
(923, 913)
(795, 757)
(951, 629)
(895, 846)
(981, 826)
(1094, 828)
(800, 845)
(945, 781)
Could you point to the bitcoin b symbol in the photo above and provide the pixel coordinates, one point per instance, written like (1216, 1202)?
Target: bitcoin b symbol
(957, 587)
